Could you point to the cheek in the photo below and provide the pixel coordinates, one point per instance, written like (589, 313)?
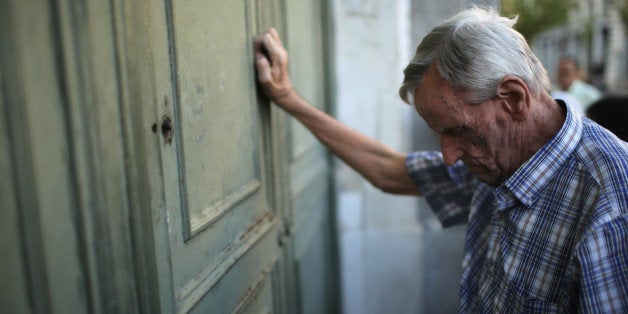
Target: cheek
(477, 143)
(482, 152)
(490, 136)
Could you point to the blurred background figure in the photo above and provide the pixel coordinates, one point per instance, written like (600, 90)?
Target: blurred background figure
(612, 113)
(570, 99)
(569, 81)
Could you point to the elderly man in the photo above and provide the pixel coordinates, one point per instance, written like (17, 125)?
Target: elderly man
(544, 191)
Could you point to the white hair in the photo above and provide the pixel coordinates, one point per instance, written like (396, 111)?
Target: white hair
(474, 50)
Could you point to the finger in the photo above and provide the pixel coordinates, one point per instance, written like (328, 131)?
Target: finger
(258, 41)
(275, 51)
(263, 68)
(275, 34)
(260, 38)
(259, 47)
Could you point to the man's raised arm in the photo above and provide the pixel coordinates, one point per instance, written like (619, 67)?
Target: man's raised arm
(380, 164)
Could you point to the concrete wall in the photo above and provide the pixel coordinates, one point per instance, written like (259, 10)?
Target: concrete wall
(395, 256)
(379, 251)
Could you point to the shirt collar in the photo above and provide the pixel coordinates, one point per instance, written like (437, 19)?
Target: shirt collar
(527, 181)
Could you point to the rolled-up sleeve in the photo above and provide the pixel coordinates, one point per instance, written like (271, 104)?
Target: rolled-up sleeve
(448, 190)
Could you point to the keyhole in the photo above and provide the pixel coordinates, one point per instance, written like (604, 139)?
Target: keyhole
(166, 129)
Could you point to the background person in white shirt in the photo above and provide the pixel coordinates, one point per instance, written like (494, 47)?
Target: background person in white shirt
(569, 81)
(570, 99)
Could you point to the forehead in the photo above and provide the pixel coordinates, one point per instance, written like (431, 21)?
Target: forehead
(437, 102)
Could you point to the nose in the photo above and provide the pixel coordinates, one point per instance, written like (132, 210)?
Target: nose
(451, 150)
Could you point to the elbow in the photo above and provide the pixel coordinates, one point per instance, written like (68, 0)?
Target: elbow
(395, 186)
(384, 185)
(391, 176)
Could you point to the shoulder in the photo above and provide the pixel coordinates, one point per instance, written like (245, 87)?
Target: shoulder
(602, 149)
(604, 158)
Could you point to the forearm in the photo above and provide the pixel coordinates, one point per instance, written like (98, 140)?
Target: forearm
(380, 164)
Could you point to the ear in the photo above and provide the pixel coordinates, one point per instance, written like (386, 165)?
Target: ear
(515, 97)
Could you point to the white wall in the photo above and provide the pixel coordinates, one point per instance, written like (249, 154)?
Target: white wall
(378, 232)
(395, 256)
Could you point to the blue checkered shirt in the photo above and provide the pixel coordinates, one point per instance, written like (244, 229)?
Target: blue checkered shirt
(553, 237)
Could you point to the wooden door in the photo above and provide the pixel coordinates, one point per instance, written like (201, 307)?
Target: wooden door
(218, 243)
(309, 211)
(67, 170)
(247, 202)
(141, 170)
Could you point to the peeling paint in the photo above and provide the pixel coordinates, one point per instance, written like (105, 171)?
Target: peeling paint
(201, 136)
(194, 112)
(268, 216)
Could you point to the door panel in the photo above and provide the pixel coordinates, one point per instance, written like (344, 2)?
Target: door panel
(306, 46)
(312, 215)
(218, 150)
(42, 208)
(68, 174)
(143, 172)
(13, 280)
(222, 226)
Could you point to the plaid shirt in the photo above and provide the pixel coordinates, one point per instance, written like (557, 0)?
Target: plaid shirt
(553, 237)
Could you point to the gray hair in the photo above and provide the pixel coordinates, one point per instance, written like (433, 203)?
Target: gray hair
(474, 50)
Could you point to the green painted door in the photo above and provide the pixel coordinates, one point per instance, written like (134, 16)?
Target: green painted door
(310, 217)
(142, 172)
(218, 243)
(247, 224)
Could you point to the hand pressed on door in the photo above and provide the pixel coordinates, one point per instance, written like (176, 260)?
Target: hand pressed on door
(271, 61)
(383, 166)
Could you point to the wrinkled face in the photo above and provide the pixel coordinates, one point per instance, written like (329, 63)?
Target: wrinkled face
(472, 133)
(567, 73)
